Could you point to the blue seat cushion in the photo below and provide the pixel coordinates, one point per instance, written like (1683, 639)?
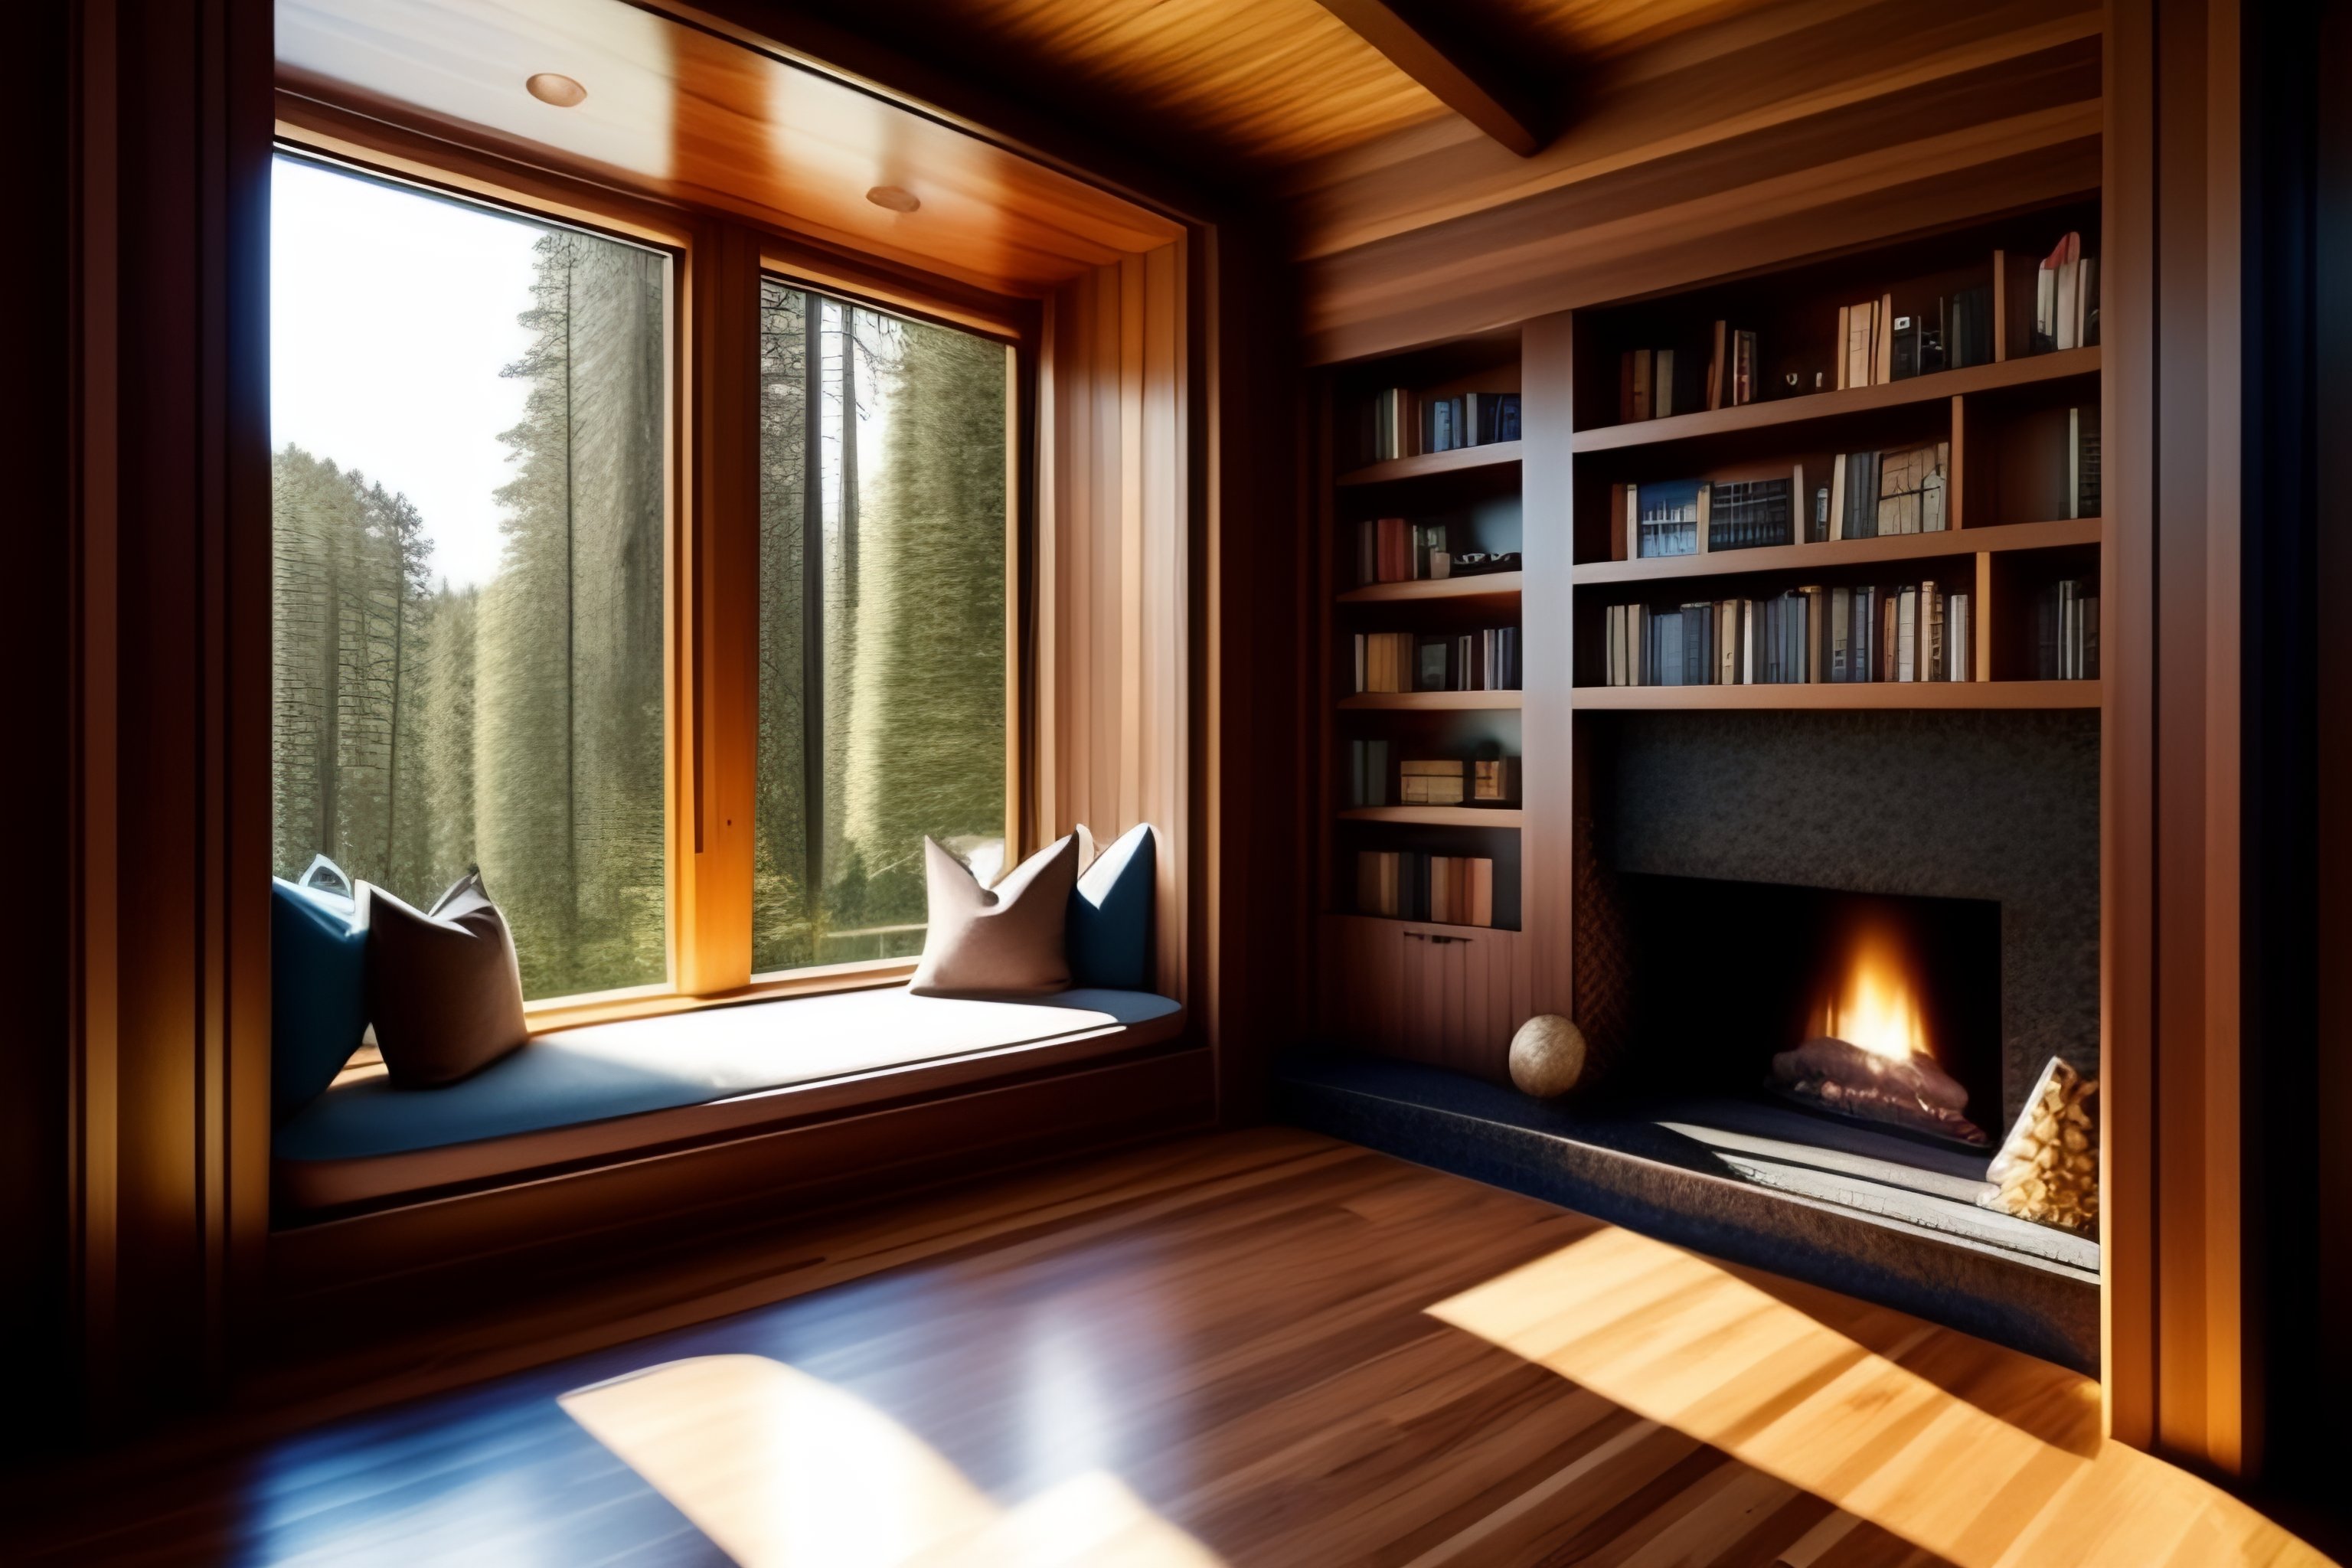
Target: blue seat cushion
(1108, 934)
(571, 1093)
(318, 992)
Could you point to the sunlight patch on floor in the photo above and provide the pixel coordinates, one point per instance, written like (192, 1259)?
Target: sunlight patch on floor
(1983, 1456)
(785, 1470)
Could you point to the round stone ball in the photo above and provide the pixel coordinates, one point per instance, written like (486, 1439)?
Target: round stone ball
(1547, 1056)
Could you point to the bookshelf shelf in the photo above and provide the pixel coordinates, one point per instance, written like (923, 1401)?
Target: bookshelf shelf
(1994, 377)
(1490, 585)
(1412, 927)
(1844, 553)
(1888, 694)
(1437, 815)
(1492, 454)
(1434, 701)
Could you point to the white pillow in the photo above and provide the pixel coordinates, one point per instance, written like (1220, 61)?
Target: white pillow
(1004, 941)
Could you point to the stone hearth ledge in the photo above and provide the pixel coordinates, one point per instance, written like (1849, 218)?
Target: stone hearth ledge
(1690, 1174)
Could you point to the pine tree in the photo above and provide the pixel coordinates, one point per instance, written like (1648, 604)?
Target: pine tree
(347, 557)
(569, 643)
(783, 931)
(926, 712)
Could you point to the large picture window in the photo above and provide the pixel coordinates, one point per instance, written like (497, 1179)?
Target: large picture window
(469, 429)
(883, 652)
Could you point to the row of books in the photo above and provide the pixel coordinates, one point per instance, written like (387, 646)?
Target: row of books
(1412, 885)
(1400, 422)
(1469, 419)
(1876, 344)
(2066, 628)
(1657, 383)
(1451, 781)
(1693, 517)
(1485, 660)
(1374, 779)
(1870, 494)
(2083, 461)
(1916, 631)
(1395, 550)
(1370, 773)
(2066, 298)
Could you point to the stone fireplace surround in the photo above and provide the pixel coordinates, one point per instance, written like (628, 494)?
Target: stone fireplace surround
(2003, 806)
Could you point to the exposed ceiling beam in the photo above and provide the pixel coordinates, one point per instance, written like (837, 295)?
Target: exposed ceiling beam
(1478, 94)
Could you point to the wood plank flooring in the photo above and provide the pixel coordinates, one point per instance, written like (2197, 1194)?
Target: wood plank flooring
(1254, 1348)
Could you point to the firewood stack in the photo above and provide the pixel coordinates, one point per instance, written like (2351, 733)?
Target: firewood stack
(2048, 1167)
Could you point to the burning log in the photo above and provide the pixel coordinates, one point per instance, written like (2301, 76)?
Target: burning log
(2048, 1167)
(1910, 1092)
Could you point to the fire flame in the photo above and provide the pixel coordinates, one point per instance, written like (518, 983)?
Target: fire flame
(1877, 1009)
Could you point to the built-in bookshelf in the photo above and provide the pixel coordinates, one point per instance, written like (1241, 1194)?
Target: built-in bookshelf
(1438, 583)
(1897, 449)
(1849, 510)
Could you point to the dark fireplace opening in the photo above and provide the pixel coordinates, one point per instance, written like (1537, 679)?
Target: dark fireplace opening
(1857, 1008)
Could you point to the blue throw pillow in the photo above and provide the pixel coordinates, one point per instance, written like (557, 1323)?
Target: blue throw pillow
(317, 990)
(1110, 927)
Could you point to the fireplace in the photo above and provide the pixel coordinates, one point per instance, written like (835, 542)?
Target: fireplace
(1691, 991)
(1854, 1008)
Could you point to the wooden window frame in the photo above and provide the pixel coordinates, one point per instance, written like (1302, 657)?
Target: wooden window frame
(711, 526)
(795, 271)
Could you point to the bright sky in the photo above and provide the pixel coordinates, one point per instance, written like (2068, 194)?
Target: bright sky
(391, 315)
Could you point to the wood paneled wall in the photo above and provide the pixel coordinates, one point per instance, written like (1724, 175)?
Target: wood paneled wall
(168, 669)
(2188, 980)
(35, 108)
(1775, 133)
(1119, 534)
(2313, 1292)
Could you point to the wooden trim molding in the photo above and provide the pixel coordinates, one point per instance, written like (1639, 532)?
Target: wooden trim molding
(714, 607)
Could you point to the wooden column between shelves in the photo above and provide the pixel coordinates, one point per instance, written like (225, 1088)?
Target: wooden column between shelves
(1547, 621)
(1980, 644)
(1957, 465)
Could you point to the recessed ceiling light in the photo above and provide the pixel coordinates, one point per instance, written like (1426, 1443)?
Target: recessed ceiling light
(560, 90)
(897, 198)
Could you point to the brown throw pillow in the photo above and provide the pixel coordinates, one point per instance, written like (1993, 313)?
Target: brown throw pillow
(443, 986)
(1004, 941)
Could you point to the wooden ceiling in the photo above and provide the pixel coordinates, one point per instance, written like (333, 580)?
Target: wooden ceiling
(689, 113)
(1240, 92)
(1436, 167)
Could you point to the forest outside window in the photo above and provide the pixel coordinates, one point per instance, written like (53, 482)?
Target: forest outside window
(884, 657)
(470, 479)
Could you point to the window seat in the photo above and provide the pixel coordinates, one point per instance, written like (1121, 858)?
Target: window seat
(610, 1088)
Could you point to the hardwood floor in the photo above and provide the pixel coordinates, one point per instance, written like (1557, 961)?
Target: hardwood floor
(1255, 1347)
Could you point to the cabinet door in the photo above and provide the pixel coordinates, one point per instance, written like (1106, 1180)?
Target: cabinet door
(1450, 996)
(1488, 999)
(1459, 1005)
